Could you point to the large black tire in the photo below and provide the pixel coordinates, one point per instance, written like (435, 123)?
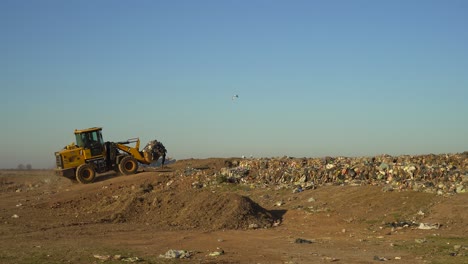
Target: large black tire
(128, 165)
(85, 173)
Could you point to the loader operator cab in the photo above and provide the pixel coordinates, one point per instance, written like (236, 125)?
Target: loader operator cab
(90, 139)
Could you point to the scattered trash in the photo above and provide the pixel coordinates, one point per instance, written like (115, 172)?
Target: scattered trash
(219, 252)
(439, 174)
(176, 254)
(253, 226)
(330, 259)
(457, 247)
(131, 259)
(298, 189)
(276, 222)
(402, 224)
(15, 216)
(428, 226)
(117, 257)
(146, 188)
(103, 257)
(380, 258)
(420, 240)
(302, 241)
(279, 203)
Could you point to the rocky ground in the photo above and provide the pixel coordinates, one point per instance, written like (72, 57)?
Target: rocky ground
(406, 209)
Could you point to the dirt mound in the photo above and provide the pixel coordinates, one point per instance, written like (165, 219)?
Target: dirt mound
(167, 209)
(194, 209)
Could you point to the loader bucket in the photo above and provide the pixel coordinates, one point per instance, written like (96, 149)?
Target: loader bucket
(153, 151)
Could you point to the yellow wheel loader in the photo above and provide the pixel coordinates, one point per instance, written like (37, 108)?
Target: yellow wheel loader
(91, 155)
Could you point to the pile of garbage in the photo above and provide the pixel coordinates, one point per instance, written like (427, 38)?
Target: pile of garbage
(153, 151)
(441, 174)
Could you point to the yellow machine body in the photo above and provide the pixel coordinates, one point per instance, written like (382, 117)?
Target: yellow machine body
(90, 154)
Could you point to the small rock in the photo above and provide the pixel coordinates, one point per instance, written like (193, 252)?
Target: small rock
(311, 200)
(15, 216)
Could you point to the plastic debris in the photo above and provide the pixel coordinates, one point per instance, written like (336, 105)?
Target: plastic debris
(302, 241)
(131, 259)
(176, 254)
(380, 258)
(420, 240)
(427, 226)
(217, 253)
(253, 226)
(117, 257)
(103, 257)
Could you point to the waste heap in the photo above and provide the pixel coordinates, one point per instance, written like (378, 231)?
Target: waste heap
(153, 151)
(441, 174)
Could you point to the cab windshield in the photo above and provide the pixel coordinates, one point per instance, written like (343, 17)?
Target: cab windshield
(89, 139)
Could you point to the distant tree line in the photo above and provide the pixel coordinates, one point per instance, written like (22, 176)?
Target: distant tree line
(24, 167)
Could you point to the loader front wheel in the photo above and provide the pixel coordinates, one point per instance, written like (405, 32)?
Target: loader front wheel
(128, 165)
(85, 174)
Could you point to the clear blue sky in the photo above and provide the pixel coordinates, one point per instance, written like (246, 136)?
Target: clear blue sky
(314, 78)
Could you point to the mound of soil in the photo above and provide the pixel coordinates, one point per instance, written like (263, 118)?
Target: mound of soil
(194, 209)
(165, 209)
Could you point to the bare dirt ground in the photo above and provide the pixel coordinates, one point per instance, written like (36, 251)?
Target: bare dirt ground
(48, 219)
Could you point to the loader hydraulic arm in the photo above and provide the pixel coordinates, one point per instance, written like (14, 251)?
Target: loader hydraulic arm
(133, 151)
(150, 153)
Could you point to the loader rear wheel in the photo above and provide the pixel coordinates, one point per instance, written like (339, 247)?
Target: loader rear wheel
(128, 165)
(85, 173)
